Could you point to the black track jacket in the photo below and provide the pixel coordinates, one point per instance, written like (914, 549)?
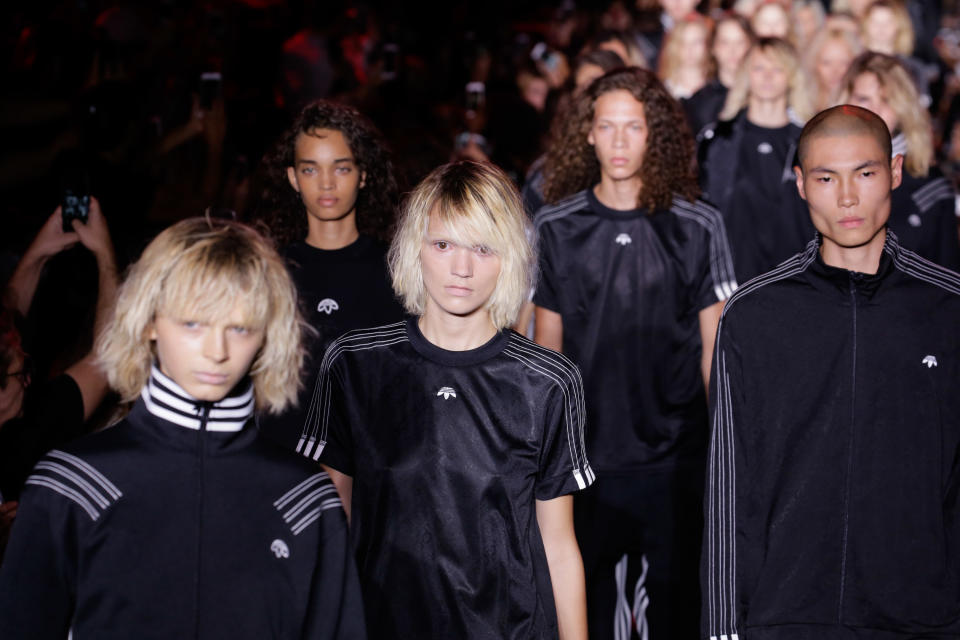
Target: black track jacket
(832, 495)
(179, 522)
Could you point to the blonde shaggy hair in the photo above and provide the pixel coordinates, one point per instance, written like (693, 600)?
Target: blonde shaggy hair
(798, 91)
(479, 206)
(901, 94)
(904, 41)
(202, 268)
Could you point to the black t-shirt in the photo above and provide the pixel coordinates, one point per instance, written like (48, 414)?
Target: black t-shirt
(339, 290)
(629, 286)
(766, 212)
(52, 415)
(448, 451)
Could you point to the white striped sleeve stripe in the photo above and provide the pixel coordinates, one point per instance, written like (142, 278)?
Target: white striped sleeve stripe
(562, 209)
(314, 515)
(67, 492)
(921, 268)
(721, 259)
(318, 415)
(927, 195)
(93, 474)
(559, 369)
(300, 488)
(75, 478)
(309, 499)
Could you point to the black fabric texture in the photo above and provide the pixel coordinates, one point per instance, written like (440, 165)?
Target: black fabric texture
(923, 215)
(449, 450)
(339, 290)
(834, 469)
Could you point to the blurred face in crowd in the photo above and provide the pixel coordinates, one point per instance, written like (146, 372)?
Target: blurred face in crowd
(859, 7)
(771, 21)
(15, 382)
(880, 30)
(867, 92)
(207, 358)
(585, 74)
(533, 90)
(768, 78)
(677, 9)
(694, 45)
(832, 63)
(729, 46)
(459, 279)
(325, 174)
(619, 134)
(807, 24)
(617, 47)
(846, 181)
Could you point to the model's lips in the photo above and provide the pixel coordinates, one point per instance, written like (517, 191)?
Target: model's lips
(327, 202)
(210, 378)
(619, 162)
(455, 290)
(851, 222)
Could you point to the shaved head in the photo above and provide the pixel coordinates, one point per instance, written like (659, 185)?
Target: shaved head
(843, 121)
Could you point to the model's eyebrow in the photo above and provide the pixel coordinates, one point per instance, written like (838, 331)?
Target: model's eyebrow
(335, 160)
(868, 163)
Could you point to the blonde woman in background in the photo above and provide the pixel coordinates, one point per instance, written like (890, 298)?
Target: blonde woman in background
(922, 212)
(746, 160)
(827, 59)
(685, 64)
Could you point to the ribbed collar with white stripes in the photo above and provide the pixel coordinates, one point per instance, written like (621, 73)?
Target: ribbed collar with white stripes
(165, 399)
(899, 144)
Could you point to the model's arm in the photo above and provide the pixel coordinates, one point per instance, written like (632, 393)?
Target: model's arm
(49, 241)
(548, 328)
(709, 321)
(344, 485)
(555, 519)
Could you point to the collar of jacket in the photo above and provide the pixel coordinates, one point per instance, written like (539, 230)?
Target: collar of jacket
(165, 399)
(865, 284)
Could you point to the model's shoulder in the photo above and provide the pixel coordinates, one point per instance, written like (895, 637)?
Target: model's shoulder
(697, 211)
(567, 206)
(935, 188)
(773, 281)
(919, 268)
(369, 338)
(537, 358)
(78, 476)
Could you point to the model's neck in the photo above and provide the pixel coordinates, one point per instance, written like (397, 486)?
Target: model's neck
(771, 114)
(618, 194)
(332, 234)
(862, 259)
(727, 77)
(456, 333)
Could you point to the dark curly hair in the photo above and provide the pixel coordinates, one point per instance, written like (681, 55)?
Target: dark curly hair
(282, 214)
(668, 167)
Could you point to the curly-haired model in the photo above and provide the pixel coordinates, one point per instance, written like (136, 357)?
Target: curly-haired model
(370, 194)
(667, 168)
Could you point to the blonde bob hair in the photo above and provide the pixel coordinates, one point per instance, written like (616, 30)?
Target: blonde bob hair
(900, 93)
(201, 269)
(782, 53)
(479, 206)
(903, 42)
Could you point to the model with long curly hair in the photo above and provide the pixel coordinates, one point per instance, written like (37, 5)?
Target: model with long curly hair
(331, 205)
(634, 271)
(285, 209)
(666, 168)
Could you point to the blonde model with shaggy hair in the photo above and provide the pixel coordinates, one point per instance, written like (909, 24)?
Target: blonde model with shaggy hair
(201, 268)
(448, 433)
(483, 211)
(184, 498)
(783, 54)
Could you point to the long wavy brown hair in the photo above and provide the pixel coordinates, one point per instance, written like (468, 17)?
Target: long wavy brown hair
(668, 167)
(281, 213)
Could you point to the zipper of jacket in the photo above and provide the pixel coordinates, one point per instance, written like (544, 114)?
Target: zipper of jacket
(201, 462)
(850, 438)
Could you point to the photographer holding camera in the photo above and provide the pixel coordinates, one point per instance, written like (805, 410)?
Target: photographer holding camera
(36, 415)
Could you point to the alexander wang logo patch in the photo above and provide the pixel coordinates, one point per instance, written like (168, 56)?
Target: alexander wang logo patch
(328, 306)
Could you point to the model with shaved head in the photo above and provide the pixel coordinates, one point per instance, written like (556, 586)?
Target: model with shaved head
(834, 473)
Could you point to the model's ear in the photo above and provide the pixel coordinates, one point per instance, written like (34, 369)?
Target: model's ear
(292, 177)
(590, 139)
(152, 331)
(797, 171)
(896, 171)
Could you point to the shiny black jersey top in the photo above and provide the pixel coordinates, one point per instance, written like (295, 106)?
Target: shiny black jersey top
(629, 286)
(448, 452)
(338, 290)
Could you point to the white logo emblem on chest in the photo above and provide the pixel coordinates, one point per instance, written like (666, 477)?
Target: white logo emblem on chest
(280, 548)
(623, 240)
(914, 220)
(764, 148)
(447, 392)
(930, 361)
(328, 306)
